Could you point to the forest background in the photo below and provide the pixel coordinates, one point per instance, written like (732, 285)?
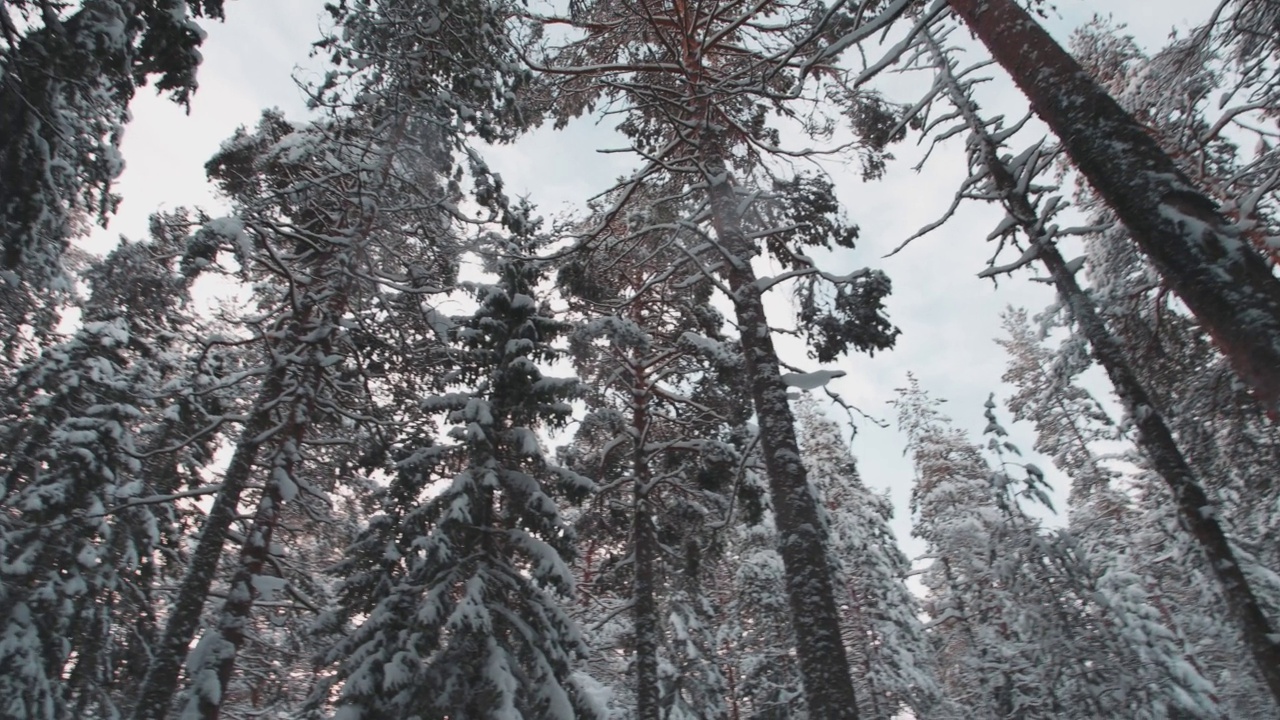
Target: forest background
(949, 316)
(351, 479)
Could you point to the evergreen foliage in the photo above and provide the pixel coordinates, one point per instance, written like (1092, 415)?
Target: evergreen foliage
(440, 460)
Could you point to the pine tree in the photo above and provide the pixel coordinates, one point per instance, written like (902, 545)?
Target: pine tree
(1112, 553)
(698, 82)
(653, 426)
(1030, 210)
(976, 619)
(351, 205)
(1021, 628)
(1236, 453)
(762, 675)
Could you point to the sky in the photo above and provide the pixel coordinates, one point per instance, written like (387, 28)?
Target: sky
(948, 316)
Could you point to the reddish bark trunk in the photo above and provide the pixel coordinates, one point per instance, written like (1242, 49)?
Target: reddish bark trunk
(1221, 279)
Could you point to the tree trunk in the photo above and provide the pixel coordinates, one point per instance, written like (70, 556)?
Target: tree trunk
(1154, 437)
(1167, 460)
(161, 681)
(644, 538)
(242, 593)
(1226, 285)
(824, 666)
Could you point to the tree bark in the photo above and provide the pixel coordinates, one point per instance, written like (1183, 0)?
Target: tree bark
(644, 538)
(1223, 281)
(161, 681)
(802, 538)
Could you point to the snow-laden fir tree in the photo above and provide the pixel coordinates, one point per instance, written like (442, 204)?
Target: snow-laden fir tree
(1227, 437)
(1239, 447)
(104, 434)
(754, 632)
(1018, 633)
(1032, 207)
(981, 652)
(344, 225)
(452, 600)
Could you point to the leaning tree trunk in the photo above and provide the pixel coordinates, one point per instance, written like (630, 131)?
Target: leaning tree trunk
(1154, 437)
(1227, 285)
(242, 593)
(330, 294)
(802, 537)
(161, 681)
(1160, 448)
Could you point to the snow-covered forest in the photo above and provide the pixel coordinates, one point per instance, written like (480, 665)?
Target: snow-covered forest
(375, 435)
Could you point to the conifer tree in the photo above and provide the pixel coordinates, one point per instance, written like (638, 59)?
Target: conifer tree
(67, 75)
(334, 213)
(452, 602)
(103, 436)
(698, 82)
(1020, 623)
(895, 669)
(756, 636)
(1030, 208)
(1113, 549)
(652, 443)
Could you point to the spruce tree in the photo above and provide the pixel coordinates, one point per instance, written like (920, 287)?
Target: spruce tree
(452, 603)
(895, 669)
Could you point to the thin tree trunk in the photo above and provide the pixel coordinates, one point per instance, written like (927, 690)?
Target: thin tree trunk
(1154, 436)
(1224, 282)
(644, 538)
(1166, 458)
(731, 678)
(161, 681)
(802, 540)
(255, 554)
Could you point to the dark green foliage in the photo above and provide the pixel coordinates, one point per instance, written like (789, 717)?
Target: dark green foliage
(852, 318)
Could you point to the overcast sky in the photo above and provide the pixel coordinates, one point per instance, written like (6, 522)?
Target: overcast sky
(948, 316)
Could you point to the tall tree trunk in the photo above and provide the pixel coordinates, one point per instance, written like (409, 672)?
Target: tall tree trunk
(1224, 282)
(644, 538)
(161, 681)
(802, 538)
